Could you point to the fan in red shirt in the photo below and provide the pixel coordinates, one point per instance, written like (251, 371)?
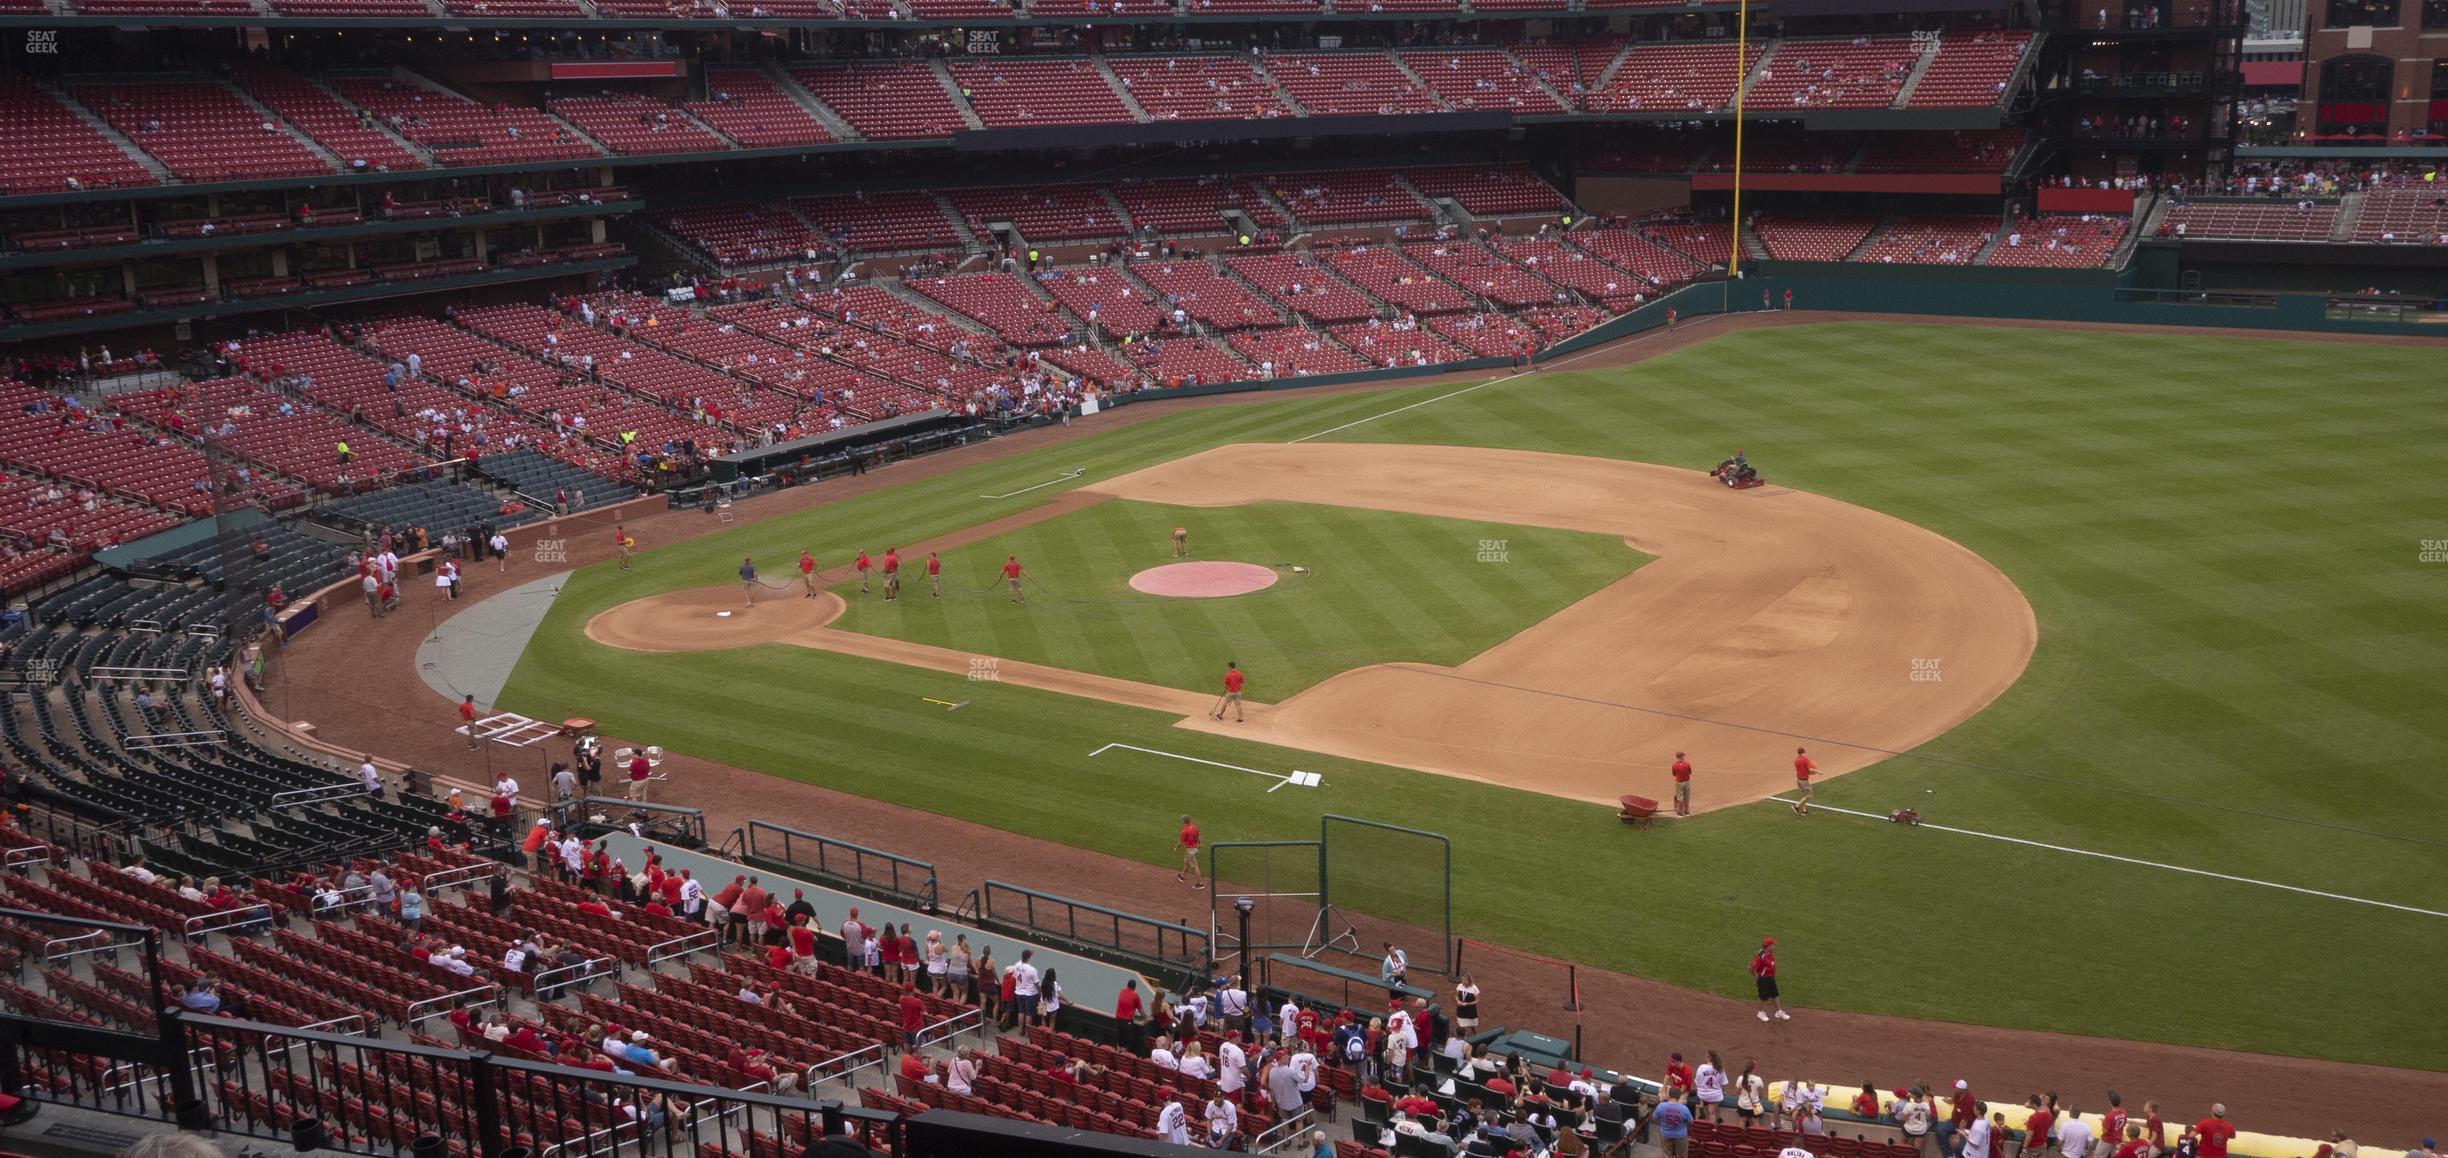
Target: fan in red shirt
(2211, 1134)
(1802, 781)
(1682, 783)
(803, 946)
(1678, 1074)
(913, 1018)
(1763, 971)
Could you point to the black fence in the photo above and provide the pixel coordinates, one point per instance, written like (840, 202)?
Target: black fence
(855, 868)
(1168, 947)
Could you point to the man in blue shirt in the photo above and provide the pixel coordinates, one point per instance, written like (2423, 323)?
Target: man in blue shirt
(1674, 1128)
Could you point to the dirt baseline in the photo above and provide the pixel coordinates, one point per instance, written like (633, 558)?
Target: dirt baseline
(1770, 619)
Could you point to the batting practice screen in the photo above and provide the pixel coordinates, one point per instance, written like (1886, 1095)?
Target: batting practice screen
(1386, 883)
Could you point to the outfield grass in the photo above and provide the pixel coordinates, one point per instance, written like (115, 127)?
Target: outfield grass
(1379, 587)
(2240, 669)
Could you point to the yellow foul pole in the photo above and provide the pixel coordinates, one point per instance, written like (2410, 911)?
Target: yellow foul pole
(1742, 72)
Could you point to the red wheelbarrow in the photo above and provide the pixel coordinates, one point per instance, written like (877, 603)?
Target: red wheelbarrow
(1638, 810)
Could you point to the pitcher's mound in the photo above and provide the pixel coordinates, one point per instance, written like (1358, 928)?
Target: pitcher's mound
(1203, 580)
(710, 619)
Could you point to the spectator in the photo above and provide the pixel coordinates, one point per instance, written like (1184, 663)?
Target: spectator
(1673, 1121)
(411, 907)
(913, 1018)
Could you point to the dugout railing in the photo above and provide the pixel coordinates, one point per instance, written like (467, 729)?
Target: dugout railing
(1172, 950)
(853, 868)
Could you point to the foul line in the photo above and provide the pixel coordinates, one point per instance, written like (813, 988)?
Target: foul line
(1280, 778)
(1521, 373)
(2175, 868)
(1040, 486)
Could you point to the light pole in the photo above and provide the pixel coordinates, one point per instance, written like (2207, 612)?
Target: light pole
(1242, 905)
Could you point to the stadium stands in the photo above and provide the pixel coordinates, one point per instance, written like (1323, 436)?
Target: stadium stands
(748, 107)
(1019, 92)
(1576, 269)
(742, 235)
(897, 222)
(1203, 293)
(324, 119)
(1349, 83)
(2253, 220)
(904, 99)
(1484, 273)
(459, 131)
(1344, 198)
(1685, 76)
(201, 130)
(1041, 213)
(1865, 72)
(1490, 192)
(1394, 279)
(1930, 240)
(1796, 237)
(1003, 303)
(1301, 285)
(2083, 241)
(1965, 151)
(1106, 299)
(1291, 351)
(1198, 88)
(2404, 213)
(633, 125)
(1483, 78)
(1402, 342)
(1969, 70)
(1191, 206)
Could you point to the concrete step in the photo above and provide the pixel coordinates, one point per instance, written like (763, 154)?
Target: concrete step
(943, 76)
(151, 165)
(823, 112)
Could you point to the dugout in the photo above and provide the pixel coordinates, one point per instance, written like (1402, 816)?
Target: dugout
(850, 449)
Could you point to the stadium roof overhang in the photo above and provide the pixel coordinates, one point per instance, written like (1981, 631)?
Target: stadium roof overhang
(226, 242)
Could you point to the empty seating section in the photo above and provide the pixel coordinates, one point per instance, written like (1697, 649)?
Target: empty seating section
(1933, 240)
(368, 9)
(1571, 67)
(1561, 322)
(747, 106)
(1690, 76)
(459, 131)
(1041, 213)
(1105, 298)
(1189, 206)
(1711, 242)
(1484, 273)
(1349, 84)
(2084, 241)
(1228, 7)
(1482, 78)
(1390, 277)
(1576, 269)
(1002, 302)
(44, 536)
(904, 99)
(2413, 213)
(1861, 73)
(1290, 351)
(1963, 151)
(1299, 284)
(1629, 251)
(1399, 343)
(1099, 7)
(1346, 198)
(201, 130)
(549, 9)
(2255, 220)
(223, 8)
(1093, 364)
(445, 425)
(1789, 152)
(960, 9)
(1487, 335)
(1490, 192)
(1182, 360)
(1970, 70)
(325, 120)
(124, 460)
(634, 125)
(1398, 5)
(849, 372)
(900, 222)
(601, 411)
(741, 234)
(1205, 294)
(275, 430)
(1808, 237)
(1197, 88)
(1015, 93)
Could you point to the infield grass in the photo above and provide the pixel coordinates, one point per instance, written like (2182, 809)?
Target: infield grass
(1377, 587)
(2240, 669)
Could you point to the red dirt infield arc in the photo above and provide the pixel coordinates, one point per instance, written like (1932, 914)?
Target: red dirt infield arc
(1206, 580)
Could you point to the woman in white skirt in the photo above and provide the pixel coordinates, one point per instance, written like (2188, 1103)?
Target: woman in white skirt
(1049, 1000)
(446, 577)
(1708, 1086)
(1466, 1006)
(938, 963)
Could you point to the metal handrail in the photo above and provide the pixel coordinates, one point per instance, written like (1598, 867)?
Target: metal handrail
(580, 973)
(560, 1148)
(52, 950)
(698, 941)
(1282, 1132)
(447, 1003)
(148, 741)
(464, 874)
(18, 858)
(254, 914)
(314, 795)
(333, 1025)
(951, 1026)
(840, 1068)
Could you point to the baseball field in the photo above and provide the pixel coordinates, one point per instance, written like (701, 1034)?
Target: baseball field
(2142, 625)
